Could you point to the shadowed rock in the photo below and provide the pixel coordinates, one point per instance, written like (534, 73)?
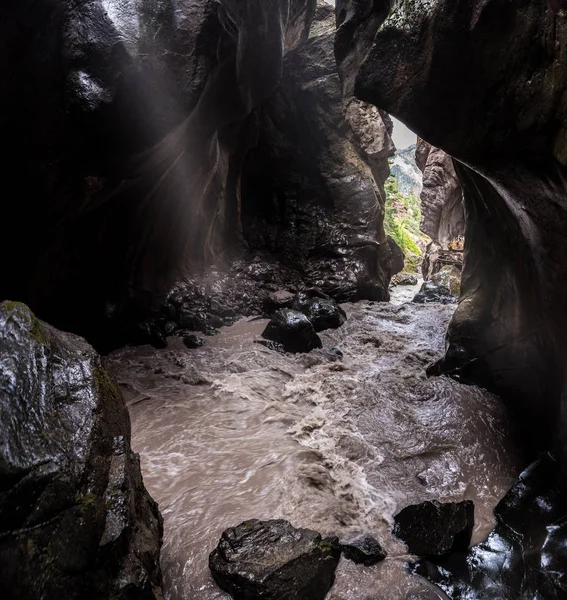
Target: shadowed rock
(272, 560)
(293, 331)
(320, 309)
(525, 556)
(75, 519)
(363, 550)
(435, 529)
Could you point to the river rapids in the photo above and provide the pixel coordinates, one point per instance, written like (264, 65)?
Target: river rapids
(233, 431)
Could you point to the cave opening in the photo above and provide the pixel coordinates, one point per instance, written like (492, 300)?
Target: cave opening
(310, 387)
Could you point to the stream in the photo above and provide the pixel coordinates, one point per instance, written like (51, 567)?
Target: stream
(233, 431)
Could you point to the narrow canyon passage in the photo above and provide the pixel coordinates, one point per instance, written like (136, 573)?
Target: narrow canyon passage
(233, 431)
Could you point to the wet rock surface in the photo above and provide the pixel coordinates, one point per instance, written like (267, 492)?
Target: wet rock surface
(363, 550)
(320, 309)
(433, 292)
(404, 279)
(526, 554)
(273, 560)
(293, 331)
(75, 519)
(435, 529)
(193, 341)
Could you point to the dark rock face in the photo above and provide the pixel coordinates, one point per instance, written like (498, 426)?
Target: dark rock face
(312, 187)
(526, 554)
(75, 519)
(504, 123)
(442, 213)
(363, 550)
(126, 150)
(434, 292)
(273, 560)
(398, 258)
(293, 331)
(435, 529)
(320, 309)
(193, 341)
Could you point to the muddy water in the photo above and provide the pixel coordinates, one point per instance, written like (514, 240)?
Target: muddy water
(233, 431)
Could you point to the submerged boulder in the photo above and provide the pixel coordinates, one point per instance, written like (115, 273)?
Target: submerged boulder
(320, 309)
(525, 556)
(435, 529)
(272, 560)
(293, 331)
(75, 519)
(363, 549)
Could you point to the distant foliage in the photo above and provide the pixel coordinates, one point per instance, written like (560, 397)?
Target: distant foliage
(401, 220)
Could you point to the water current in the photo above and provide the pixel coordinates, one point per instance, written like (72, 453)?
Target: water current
(233, 431)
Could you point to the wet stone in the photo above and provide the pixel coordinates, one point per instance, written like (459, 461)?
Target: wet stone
(320, 309)
(293, 331)
(435, 529)
(363, 550)
(276, 301)
(525, 556)
(273, 560)
(432, 292)
(193, 341)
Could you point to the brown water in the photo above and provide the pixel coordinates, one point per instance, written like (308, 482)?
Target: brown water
(233, 431)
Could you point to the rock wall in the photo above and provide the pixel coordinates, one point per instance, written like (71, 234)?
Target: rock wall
(75, 519)
(313, 187)
(126, 123)
(442, 211)
(504, 122)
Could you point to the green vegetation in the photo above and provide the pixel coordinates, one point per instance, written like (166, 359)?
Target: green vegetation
(401, 220)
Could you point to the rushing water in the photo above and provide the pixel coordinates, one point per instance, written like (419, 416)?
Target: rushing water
(234, 431)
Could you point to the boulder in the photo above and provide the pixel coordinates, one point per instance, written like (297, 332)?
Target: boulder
(435, 529)
(525, 556)
(272, 560)
(449, 277)
(193, 341)
(320, 309)
(293, 331)
(404, 279)
(75, 519)
(398, 258)
(363, 550)
(432, 292)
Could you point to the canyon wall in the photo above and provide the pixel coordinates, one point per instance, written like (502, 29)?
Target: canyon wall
(432, 65)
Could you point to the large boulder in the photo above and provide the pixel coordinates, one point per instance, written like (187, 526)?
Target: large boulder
(313, 187)
(75, 519)
(272, 560)
(484, 90)
(320, 309)
(435, 529)
(293, 330)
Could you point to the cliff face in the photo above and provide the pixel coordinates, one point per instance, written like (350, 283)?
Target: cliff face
(504, 123)
(442, 211)
(313, 187)
(127, 123)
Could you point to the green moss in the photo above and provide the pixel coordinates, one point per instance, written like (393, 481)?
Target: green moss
(104, 383)
(85, 499)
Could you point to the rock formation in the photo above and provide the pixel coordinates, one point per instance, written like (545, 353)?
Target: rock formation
(75, 519)
(442, 211)
(312, 188)
(126, 156)
(127, 123)
(504, 123)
